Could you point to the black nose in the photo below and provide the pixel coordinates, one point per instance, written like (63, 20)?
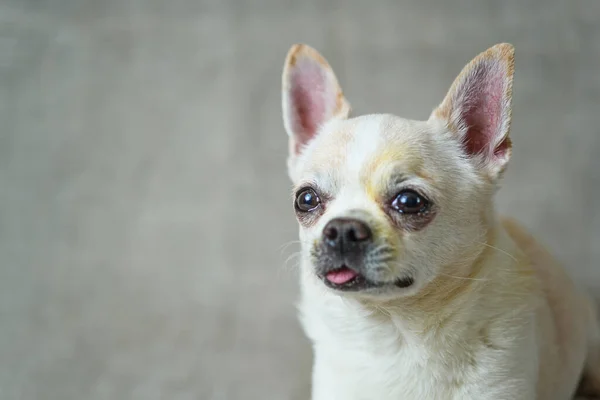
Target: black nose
(346, 233)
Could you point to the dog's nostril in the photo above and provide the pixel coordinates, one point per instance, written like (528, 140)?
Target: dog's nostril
(358, 232)
(330, 232)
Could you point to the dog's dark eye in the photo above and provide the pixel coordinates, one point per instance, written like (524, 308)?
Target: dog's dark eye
(410, 202)
(307, 200)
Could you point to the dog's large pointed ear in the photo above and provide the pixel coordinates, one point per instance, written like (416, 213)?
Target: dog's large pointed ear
(311, 96)
(477, 108)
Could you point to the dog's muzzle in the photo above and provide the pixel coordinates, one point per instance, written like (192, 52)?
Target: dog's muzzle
(343, 249)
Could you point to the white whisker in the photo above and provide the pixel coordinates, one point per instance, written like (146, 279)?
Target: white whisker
(284, 246)
(466, 278)
(498, 249)
(291, 258)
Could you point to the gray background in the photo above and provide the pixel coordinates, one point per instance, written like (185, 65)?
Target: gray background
(144, 202)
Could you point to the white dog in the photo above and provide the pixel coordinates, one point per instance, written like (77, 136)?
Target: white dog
(412, 286)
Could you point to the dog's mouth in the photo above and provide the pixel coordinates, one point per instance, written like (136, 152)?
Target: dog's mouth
(347, 279)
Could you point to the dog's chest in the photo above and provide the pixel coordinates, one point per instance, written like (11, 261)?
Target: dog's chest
(406, 373)
(362, 358)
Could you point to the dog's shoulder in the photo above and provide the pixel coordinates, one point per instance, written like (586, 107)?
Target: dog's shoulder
(547, 268)
(563, 318)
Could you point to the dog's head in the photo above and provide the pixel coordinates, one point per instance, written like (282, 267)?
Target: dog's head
(386, 205)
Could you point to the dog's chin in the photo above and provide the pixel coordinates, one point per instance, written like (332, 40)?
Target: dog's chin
(347, 280)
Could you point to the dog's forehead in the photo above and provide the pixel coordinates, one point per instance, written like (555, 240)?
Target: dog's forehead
(354, 149)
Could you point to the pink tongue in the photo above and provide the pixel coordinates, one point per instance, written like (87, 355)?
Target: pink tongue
(341, 276)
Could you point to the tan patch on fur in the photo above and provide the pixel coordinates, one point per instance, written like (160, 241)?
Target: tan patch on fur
(303, 50)
(421, 173)
(373, 186)
(412, 162)
(341, 105)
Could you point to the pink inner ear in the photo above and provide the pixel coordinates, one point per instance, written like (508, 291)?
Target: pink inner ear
(482, 106)
(311, 99)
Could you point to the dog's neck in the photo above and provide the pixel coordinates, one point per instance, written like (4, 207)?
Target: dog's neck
(451, 303)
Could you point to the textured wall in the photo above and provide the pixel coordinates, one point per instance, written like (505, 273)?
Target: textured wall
(144, 202)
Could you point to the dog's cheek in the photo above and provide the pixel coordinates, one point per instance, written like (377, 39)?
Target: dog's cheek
(431, 247)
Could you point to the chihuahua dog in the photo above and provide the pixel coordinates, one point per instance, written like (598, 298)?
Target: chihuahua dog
(412, 287)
